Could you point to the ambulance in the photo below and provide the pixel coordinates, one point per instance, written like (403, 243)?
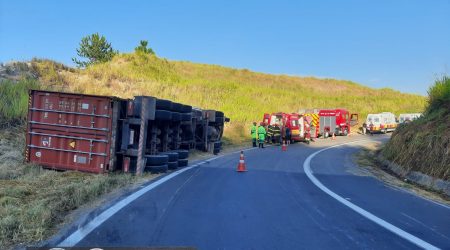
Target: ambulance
(381, 123)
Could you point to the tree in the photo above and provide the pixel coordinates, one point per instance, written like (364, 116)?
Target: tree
(96, 49)
(142, 48)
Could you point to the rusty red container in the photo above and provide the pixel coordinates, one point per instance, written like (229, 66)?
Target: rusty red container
(72, 131)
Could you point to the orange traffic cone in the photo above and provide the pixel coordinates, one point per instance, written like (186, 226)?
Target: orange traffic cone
(333, 137)
(284, 146)
(241, 165)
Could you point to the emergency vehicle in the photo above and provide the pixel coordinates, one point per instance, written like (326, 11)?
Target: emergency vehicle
(404, 118)
(293, 121)
(382, 122)
(337, 121)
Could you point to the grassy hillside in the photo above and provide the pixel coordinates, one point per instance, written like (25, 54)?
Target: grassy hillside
(424, 145)
(242, 94)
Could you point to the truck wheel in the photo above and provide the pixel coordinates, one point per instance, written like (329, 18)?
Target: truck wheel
(176, 117)
(186, 109)
(172, 156)
(345, 132)
(172, 165)
(385, 131)
(163, 104)
(177, 107)
(186, 117)
(182, 163)
(326, 134)
(220, 119)
(156, 160)
(157, 169)
(182, 154)
(163, 115)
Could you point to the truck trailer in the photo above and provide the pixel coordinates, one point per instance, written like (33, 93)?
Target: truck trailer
(99, 134)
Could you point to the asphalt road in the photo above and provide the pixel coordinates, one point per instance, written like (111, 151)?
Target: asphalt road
(274, 205)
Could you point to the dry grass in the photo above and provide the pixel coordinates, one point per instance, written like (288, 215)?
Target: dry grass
(33, 201)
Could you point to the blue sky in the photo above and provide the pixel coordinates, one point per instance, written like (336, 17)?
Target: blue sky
(401, 44)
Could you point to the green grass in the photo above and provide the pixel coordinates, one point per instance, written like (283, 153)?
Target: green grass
(423, 145)
(14, 100)
(243, 95)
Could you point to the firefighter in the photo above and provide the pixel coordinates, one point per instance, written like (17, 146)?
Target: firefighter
(288, 135)
(269, 136)
(261, 135)
(254, 133)
(364, 128)
(276, 137)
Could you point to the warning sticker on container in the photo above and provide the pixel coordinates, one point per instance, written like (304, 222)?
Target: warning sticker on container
(85, 106)
(46, 141)
(72, 144)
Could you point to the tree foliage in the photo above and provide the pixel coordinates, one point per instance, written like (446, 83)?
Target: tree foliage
(96, 49)
(142, 48)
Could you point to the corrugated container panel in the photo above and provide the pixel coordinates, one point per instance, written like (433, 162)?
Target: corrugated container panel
(71, 131)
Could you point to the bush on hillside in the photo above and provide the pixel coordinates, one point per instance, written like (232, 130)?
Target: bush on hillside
(439, 95)
(14, 100)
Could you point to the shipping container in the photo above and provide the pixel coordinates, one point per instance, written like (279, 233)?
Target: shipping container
(99, 134)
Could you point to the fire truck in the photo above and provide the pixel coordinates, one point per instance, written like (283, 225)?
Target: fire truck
(293, 121)
(337, 121)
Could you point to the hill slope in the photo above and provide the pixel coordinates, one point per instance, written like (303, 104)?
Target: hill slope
(243, 95)
(424, 145)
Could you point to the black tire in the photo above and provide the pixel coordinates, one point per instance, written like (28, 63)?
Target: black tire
(172, 165)
(326, 134)
(219, 114)
(176, 117)
(186, 117)
(220, 119)
(182, 154)
(163, 104)
(186, 109)
(218, 145)
(177, 107)
(182, 163)
(216, 151)
(172, 156)
(157, 169)
(156, 160)
(345, 132)
(163, 115)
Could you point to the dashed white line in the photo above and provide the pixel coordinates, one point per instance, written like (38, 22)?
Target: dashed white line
(405, 235)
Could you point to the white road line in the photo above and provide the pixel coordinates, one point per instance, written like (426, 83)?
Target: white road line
(82, 232)
(405, 235)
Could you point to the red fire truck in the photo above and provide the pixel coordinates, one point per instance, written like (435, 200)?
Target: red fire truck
(337, 121)
(293, 121)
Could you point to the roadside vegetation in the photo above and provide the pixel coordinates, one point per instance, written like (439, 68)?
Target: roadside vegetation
(424, 144)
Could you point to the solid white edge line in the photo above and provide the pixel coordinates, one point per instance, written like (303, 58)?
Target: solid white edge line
(83, 231)
(403, 234)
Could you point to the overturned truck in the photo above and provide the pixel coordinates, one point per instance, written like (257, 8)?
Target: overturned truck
(101, 134)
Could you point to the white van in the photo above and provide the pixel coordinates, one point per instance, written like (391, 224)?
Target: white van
(403, 118)
(382, 122)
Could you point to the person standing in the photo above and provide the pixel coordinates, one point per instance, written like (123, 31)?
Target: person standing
(261, 135)
(364, 128)
(288, 135)
(254, 133)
